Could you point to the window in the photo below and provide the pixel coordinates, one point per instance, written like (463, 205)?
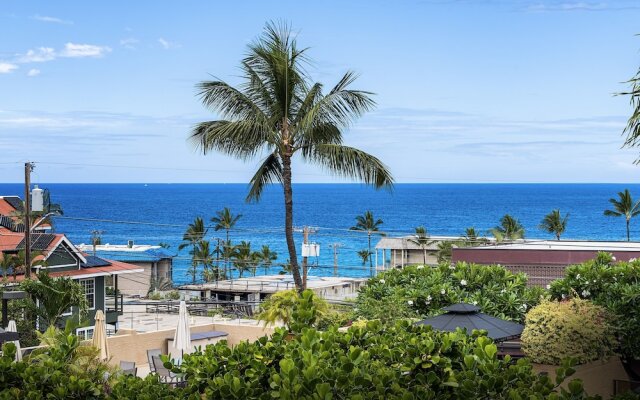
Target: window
(85, 333)
(89, 286)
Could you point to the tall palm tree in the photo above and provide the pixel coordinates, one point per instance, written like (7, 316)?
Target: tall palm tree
(633, 124)
(509, 229)
(423, 240)
(279, 111)
(266, 257)
(554, 223)
(225, 219)
(624, 207)
(367, 223)
(204, 256)
(194, 234)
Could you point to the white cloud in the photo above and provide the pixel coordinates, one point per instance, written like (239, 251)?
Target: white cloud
(33, 72)
(6, 68)
(74, 50)
(44, 18)
(129, 43)
(41, 54)
(167, 44)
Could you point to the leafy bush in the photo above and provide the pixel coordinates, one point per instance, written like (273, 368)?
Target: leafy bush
(419, 291)
(613, 285)
(574, 328)
(374, 362)
(173, 295)
(294, 310)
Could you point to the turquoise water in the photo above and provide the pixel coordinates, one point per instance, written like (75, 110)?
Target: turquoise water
(444, 209)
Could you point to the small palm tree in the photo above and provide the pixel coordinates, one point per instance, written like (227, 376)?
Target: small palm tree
(554, 223)
(194, 234)
(445, 249)
(509, 229)
(226, 220)
(266, 257)
(364, 255)
(204, 256)
(280, 112)
(244, 259)
(367, 223)
(423, 240)
(624, 207)
(472, 238)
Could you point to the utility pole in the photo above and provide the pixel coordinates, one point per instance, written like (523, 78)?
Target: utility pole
(96, 239)
(306, 230)
(28, 167)
(335, 248)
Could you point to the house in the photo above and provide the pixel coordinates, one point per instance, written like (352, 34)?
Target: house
(396, 252)
(156, 263)
(11, 210)
(58, 256)
(544, 260)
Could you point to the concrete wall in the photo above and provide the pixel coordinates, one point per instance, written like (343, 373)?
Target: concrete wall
(136, 284)
(131, 346)
(597, 376)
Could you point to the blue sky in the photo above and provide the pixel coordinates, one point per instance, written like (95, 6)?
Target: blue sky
(467, 91)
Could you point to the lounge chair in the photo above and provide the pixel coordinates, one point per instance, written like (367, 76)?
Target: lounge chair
(150, 354)
(128, 368)
(164, 374)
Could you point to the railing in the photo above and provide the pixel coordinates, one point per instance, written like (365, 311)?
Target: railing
(110, 303)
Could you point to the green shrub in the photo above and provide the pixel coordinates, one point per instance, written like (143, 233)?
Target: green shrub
(173, 295)
(374, 362)
(155, 296)
(613, 285)
(574, 328)
(420, 292)
(294, 310)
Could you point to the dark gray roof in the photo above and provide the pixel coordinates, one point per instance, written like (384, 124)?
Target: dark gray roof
(497, 329)
(14, 201)
(93, 261)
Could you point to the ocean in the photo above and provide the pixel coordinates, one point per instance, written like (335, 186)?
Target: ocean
(155, 213)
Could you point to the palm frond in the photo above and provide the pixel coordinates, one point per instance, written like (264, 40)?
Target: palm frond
(349, 162)
(270, 171)
(241, 139)
(228, 101)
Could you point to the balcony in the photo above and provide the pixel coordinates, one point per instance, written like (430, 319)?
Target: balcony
(113, 308)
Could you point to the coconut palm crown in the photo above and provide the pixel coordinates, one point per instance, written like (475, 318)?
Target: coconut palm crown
(278, 112)
(624, 207)
(367, 223)
(554, 223)
(509, 229)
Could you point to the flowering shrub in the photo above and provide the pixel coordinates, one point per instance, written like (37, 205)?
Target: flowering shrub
(421, 292)
(574, 328)
(613, 285)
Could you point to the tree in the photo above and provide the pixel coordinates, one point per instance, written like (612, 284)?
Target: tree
(7, 263)
(554, 223)
(445, 249)
(633, 124)
(422, 239)
(204, 256)
(509, 229)
(367, 223)
(472, 238)
(55, 296)
(244, 259)
(225, 219)
(192, 237)
(624, 207)
(280, 112)
(364, 255)
(266, 257)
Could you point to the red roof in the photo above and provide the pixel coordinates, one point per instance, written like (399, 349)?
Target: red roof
(5, 207)
(116, 268)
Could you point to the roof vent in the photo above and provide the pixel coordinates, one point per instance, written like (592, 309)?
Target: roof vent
(130, 244)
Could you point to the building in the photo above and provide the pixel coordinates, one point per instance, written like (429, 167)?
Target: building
(156, 263)
(396, 252)
(60, 258)
(258, 288)
(544, 260)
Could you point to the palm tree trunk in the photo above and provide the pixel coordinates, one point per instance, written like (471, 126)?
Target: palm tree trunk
(424, 255)
(369, 255)
(288, 221)
(628, 237)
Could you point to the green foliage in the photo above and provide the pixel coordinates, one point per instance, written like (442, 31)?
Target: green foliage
(374, 362)
(509, 229)
(172, 295)
(149, 388)
(55, 295)
(613, 285)
(575, 328)
(296, 311)
(423, 291)
(624, 207)
(554, 223)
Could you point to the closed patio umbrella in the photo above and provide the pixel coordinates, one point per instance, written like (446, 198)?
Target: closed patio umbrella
(100, 336)
(182, 337)
(469, 317)
(13, 328)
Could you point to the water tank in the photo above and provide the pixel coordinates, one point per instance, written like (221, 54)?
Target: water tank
(37, 199)
(310, 250)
